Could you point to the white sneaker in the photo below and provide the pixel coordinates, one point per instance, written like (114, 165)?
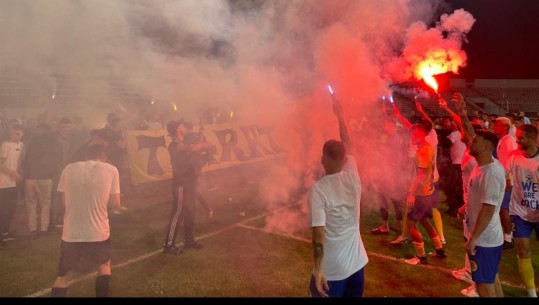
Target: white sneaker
(462, 275)
(401, 240)
(416, 260)
(442, 240)
(470, 292)
(122, 209)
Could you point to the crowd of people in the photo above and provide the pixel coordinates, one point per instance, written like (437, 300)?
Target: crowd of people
(71, 185)
(486, 165)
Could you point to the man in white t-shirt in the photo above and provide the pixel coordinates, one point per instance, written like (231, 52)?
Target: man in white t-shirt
(11, 156)
(506, 145)
(88, 189)
(524, 206)
(483, 228)
(334, 202)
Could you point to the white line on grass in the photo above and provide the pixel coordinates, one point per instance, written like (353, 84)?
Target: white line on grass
(241, 224)
(379, 255)
(145, 256)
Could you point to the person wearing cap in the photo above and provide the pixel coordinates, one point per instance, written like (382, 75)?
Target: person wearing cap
(184, 187)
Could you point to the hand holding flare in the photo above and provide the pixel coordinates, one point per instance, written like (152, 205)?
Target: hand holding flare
(332, 93)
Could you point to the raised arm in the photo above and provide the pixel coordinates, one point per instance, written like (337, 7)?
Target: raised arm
(466, 128)
(422, 112)
(343, 130)
(443, 104)
(402, 119)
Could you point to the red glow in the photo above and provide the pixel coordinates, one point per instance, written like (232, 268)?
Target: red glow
(437, 62)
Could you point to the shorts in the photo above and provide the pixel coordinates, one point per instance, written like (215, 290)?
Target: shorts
(351, 286)
(523, 228)
(422, 208)
(73, 253)
(485, 264)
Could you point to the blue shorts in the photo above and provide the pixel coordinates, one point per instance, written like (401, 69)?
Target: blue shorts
(523, 228)
(422, 208)
(485, 264)
(506, 200)
(350, 287)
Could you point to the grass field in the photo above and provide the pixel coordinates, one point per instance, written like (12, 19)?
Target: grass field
(241, 257)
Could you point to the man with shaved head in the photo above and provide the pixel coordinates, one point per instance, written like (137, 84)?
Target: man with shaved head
(334, 202)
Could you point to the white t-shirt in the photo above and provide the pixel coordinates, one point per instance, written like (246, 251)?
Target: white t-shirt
(11, 156)
(506, 145)
(87, 186)
(486, 185)
(513, 131)
(334, 203)
(457, 147)
(525, 193)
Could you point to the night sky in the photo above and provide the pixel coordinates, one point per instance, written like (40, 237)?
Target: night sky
(504, 41)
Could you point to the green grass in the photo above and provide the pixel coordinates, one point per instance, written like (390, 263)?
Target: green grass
(240, 258)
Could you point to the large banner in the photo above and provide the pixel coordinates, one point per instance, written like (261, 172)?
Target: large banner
(234, 144)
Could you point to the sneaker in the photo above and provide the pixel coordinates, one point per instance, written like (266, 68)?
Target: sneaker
(401, 240)
(462, 275)
(417, 260)
(507, 245)
(442, 240)
(470, 292)
(116, 212)
(193, 245)
(122, 209)
(379, 231)
(172, 249)
(440, 253)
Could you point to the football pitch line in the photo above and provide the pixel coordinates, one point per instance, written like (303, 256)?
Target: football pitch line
(87, 276)
(242, 224)
(370, 253)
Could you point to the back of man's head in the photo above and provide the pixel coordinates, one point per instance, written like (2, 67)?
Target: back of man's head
(489, 137)
(96, 152)
(334, 150)
(427, 125)
(530, 130)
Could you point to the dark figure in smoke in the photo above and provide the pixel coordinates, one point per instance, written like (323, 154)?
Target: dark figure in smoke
(200, 159)
(87, 188)
(391, 187)
(334, 203)
(185, 175)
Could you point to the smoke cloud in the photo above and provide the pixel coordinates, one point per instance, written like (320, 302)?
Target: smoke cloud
(268, 61)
